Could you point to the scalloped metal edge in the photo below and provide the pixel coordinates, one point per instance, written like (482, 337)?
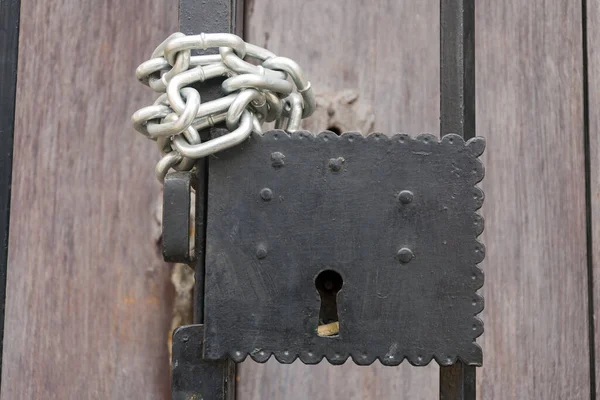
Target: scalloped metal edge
(362, 359)
(477, 146)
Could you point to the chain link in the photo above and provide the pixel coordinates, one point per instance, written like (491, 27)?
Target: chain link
(253, 93)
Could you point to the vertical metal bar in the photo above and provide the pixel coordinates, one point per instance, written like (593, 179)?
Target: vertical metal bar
(588, 197)
(194, 377)
(458, 382)
(457, 67)
(9, 52)
(457, 115)
(200, 244)
(212, 16)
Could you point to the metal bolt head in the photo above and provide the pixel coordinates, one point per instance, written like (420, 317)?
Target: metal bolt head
(266, 194)
(405, 196)
(335, 164)
(405, 255)
(261, 251)
(277, 159)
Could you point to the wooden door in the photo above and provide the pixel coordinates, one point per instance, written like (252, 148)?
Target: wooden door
(89, 300)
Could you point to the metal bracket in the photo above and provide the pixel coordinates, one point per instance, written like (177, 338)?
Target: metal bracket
(176, 217)
(192, 375)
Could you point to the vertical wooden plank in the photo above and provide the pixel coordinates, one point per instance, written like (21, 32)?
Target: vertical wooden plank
(87, 302)
(389, 51)
(9, 46)
(592, 32)
(530, 109)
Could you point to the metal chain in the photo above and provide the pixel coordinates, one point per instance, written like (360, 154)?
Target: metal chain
(252, 94)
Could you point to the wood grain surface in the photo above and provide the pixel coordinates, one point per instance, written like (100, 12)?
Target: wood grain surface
(530, 109)
(88, 301)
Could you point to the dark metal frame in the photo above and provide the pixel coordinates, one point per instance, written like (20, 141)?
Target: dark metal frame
(457, 115)
(192, 374)
(9, 50)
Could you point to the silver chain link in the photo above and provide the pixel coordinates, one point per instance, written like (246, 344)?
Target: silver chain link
(252, 94)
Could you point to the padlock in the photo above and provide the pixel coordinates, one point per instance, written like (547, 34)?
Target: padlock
(342, 246)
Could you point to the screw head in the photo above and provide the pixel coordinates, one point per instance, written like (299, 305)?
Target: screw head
(261, 252)
(277, 159)
(405, 255)
(335, 164)
(405, 196)
(266, 194)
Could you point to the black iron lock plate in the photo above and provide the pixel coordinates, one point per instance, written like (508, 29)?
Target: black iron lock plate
(389, 224)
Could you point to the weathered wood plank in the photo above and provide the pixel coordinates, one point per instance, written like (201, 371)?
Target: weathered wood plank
(87, 302)
(530, 108)
(9, 46)
(389, 51)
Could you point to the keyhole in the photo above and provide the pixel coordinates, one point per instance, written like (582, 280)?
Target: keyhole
(328, 284)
